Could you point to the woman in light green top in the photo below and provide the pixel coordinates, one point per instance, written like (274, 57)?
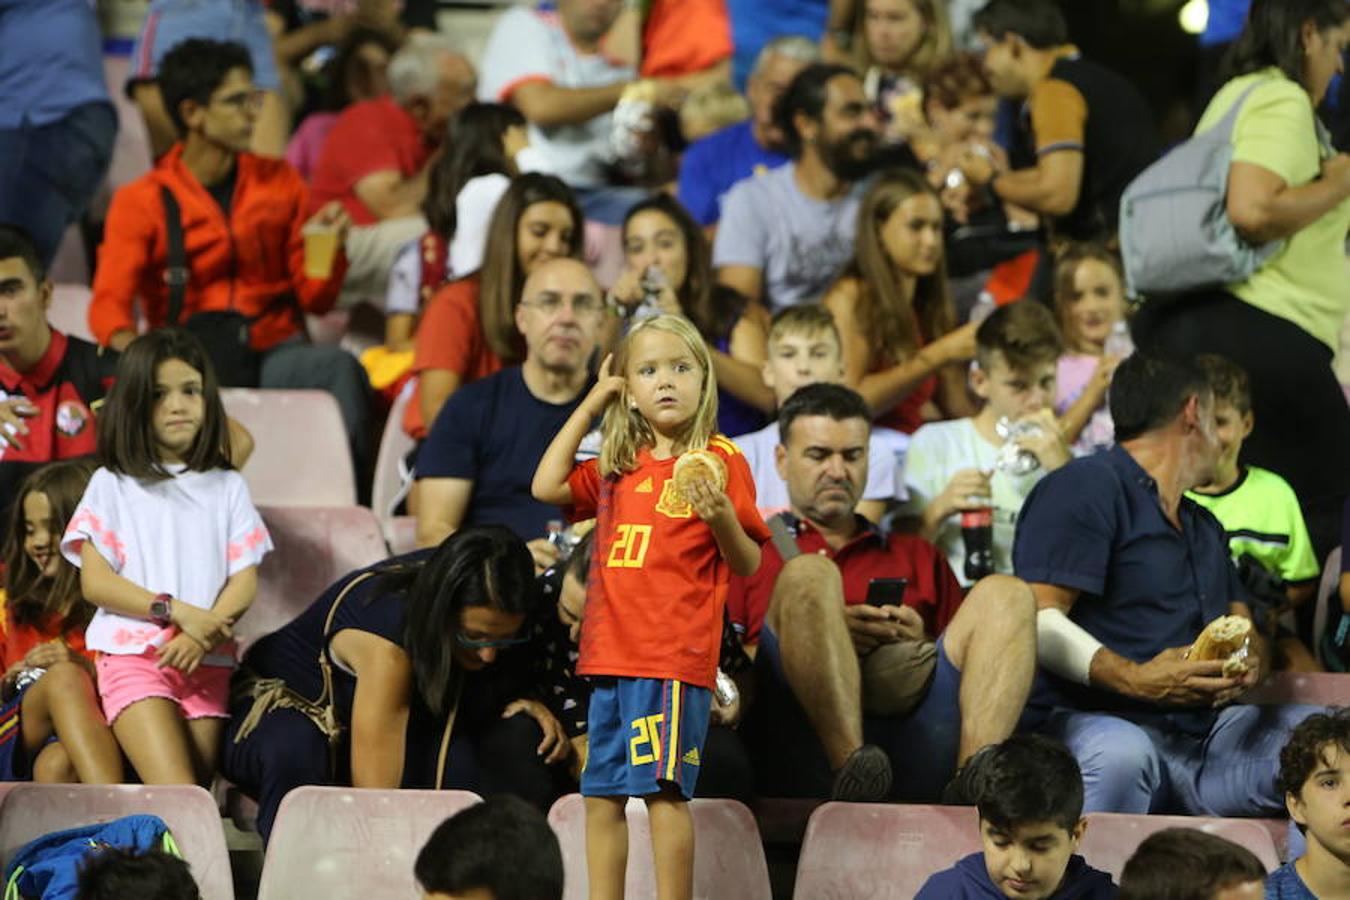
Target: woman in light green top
(1283, 323)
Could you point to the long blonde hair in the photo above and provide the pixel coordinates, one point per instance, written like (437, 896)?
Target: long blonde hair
(887, 317)
(624, 431)
(934, 48)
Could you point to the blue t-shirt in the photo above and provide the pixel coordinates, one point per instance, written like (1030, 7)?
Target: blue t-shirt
(969, 880)
(1096, 525)
(754, 23)
(52, 60)
(713, 164)
(1285, 884)
(493, 432)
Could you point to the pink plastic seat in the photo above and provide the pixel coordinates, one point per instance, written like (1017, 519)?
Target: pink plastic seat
(728, 855)
(395, 444)
(32, 810)
(1111, 838)
(314, 547)
(873, 851)
(344, 842)
(301, 457)
(1318, 688)
(69, 312)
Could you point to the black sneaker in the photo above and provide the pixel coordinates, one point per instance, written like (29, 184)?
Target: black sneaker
(865, 777)
(963, 789)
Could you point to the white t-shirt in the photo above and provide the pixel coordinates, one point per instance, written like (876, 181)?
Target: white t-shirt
(771, 493)
(530, 45)
(799, 244)
(938, 451)
(184, 536)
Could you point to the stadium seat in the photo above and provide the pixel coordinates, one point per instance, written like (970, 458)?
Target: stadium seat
(69, 312)
(879, 851)
(1326, 590)
(1111, 838)
(399, 531)
(728, 855)
(344, 842)
(29, 811)
(301, 456)
(314, 547)
(1318, 688)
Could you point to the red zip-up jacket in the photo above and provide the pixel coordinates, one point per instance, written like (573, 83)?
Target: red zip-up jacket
(245, 264)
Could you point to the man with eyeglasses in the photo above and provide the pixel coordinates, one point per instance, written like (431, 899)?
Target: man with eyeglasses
(480, 454)
(240, 220)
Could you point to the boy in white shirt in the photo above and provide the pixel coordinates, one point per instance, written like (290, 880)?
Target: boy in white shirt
(952, 467)
(804, 349)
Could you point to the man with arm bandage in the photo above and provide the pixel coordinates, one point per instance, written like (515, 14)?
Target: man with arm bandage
(1127, 572)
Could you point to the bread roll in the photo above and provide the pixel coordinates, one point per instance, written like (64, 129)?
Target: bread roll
(1225, 638)
(699, 465)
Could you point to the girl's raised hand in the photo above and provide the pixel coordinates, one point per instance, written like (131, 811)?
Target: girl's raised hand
(182, 653)
(607, 387)
(711, 503)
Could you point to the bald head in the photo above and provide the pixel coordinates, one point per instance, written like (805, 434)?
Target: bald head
(559, 315)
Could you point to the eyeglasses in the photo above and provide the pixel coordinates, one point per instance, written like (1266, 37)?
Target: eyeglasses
(242, 100)
(552, 304)
(469, 643)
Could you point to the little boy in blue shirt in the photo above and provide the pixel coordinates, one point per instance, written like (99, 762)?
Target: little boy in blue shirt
(1029, 792)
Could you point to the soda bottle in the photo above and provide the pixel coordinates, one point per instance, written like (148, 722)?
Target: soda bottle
(977, 531)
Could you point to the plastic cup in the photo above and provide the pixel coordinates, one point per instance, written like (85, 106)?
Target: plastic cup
(321, 246)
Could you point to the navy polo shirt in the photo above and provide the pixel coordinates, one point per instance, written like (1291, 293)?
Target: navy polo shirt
(1097, 525)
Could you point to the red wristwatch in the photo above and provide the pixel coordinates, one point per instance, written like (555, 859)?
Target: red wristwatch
(161, 610)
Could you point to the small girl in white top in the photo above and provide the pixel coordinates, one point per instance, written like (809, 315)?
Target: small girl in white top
(168, 543)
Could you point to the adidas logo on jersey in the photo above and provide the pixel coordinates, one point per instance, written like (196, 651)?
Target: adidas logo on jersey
(645, 487)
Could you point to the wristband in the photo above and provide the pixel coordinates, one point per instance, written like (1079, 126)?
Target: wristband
(1064, 647)
(161, 610)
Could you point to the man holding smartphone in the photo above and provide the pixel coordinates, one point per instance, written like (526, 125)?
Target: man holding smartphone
(869, 660)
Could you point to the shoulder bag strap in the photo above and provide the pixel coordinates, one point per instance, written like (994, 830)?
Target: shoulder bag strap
(175, 270)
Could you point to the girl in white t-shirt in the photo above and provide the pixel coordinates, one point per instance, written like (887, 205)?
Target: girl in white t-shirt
(168, 544)
(1090, 305)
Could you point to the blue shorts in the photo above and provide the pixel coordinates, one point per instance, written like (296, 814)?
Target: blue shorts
(644, 731)
(170, 22)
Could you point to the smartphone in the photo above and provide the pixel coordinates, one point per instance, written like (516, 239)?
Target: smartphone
(886, 591)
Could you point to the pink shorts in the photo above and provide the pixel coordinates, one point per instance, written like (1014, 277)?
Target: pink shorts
(123, 680)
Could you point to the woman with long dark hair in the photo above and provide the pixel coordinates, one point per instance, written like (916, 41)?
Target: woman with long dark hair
(402, 675)
(669, 269)
(1282, 325)
(894, 312)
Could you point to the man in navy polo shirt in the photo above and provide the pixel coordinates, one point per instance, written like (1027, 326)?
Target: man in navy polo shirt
(1126, 573)
(869, 693)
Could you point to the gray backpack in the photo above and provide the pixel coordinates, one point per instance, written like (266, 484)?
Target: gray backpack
(1175, 234)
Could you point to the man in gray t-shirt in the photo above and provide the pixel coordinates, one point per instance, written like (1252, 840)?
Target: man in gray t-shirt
(785, 235)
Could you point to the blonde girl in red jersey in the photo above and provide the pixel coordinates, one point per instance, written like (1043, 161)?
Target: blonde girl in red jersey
(658, 583)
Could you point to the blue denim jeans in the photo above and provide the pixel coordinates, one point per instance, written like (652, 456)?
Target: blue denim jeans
(50, 172)
(1140, 768)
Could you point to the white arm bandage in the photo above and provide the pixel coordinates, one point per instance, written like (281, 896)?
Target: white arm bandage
(1064, 647)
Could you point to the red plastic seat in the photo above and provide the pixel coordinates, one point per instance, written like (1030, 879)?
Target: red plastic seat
(399, 531)
(301, 457)
(344, 842)
(874, 851)
(29, 811)
(728, 855)
(1111, 838)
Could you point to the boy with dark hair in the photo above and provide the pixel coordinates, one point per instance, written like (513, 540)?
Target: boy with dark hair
(962, 466)
(1259, 512)
(154, 875)
(1187, 864)
(1029, 792)
(500, 849)
(803, 349)
(1315, 777)
(1089, 131)
(240, 219)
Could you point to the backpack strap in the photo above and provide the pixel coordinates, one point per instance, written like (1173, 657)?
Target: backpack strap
(175, 271)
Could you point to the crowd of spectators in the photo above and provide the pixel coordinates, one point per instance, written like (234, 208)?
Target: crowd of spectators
(884, 294)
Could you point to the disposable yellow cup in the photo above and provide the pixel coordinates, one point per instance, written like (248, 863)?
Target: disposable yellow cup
(321, 246)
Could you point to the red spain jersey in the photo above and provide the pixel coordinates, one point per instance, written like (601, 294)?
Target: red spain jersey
(658, 583)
